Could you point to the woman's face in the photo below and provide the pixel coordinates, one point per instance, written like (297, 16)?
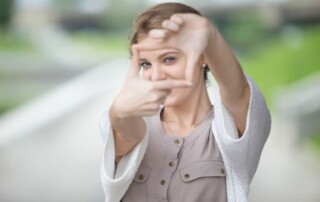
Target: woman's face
(166, 64)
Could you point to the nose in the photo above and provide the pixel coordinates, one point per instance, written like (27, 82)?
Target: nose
(158, 73)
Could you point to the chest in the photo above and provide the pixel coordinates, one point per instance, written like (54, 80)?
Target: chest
(180, 169)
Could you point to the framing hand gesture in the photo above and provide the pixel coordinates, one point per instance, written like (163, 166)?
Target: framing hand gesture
(188, 32)
(139, 97)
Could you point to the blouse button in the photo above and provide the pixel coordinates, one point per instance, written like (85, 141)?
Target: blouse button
(171, 164)
(222, 171)
(177, 141)
(162, 182)
(141, 177)
(186, 176)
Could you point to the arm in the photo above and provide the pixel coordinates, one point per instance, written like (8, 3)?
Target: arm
(234, 88)
(127, 132)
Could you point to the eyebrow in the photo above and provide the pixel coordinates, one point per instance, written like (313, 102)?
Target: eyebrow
(167, 53)
(161, 55)
(143, 60)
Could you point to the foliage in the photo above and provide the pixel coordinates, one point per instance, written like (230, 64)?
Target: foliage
(243, 30)
(284, 59)
(10, 42)
(315, 142)
(6, 7)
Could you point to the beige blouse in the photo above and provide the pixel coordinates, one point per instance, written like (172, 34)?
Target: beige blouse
(188, 169)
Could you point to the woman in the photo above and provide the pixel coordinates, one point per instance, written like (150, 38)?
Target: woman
(164, 138)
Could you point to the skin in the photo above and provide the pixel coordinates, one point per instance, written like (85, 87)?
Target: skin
(172, 59)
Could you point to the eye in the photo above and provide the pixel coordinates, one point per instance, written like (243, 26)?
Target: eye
(145, 65)
(169, 60)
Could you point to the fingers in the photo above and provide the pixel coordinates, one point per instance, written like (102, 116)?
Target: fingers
(171, 25)
(177, 19)
(159, 34)
(174, 23)
(191, 66)
(171, 84)
(135, 63)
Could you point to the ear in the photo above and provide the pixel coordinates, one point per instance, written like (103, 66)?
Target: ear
(202, 58)
(202, 61)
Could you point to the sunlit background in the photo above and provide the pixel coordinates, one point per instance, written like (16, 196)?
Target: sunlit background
(61, 62)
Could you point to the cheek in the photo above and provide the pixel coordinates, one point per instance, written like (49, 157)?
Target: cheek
(176, 71)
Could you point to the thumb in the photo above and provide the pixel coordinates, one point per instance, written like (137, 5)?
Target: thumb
(135, 63)
(191, 66)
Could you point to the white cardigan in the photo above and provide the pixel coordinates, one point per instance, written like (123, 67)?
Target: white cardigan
(240, 155)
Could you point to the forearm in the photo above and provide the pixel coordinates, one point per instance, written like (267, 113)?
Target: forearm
(233, 85)
(128, 131)
(224, 66)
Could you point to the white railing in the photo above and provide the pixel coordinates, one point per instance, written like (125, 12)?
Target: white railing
(70, 96)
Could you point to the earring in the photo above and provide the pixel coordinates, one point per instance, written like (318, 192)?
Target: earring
(204, 65)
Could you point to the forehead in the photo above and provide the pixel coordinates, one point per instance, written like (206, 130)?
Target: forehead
(154, 49)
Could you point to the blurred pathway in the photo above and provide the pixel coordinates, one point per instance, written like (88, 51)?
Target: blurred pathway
(50, 148)
(288, 172)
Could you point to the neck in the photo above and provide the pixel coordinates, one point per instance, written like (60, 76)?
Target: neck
(191, 112)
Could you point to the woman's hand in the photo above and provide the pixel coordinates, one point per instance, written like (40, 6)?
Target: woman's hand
(196, 36)
(190, 33)
(139, 97)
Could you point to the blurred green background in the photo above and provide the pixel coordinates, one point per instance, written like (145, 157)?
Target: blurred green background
(44, 44)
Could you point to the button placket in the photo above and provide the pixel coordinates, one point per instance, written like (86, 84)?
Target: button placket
(169, 168)
(164, 182)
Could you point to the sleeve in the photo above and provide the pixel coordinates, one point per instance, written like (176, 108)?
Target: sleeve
(243, 154)
(116, 181)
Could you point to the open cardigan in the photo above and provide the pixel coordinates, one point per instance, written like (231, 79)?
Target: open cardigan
(240, 155)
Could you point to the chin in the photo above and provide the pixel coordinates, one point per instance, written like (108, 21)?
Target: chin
(172, 102)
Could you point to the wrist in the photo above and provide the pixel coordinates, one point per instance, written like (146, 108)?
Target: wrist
(212, 39)
(118, 112)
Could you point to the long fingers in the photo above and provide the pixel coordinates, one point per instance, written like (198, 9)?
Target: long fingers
(171, 84)
(163, 34)
(135, 62)
(174, 23)
(192, 63)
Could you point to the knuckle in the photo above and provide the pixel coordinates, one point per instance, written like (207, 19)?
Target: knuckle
(155, 98)
(150, 87)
